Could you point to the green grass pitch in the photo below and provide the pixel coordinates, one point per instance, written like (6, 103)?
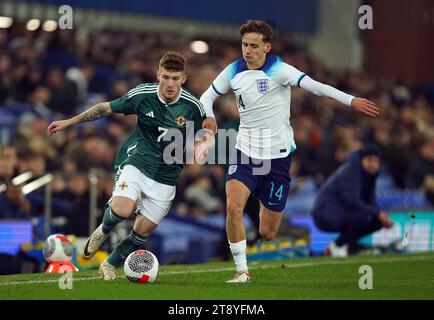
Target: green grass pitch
(404, 276)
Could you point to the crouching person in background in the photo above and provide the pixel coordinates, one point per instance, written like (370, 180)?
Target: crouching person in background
(346, 202)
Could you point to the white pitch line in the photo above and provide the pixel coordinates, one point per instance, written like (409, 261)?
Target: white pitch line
(44, 281)
(251, 267)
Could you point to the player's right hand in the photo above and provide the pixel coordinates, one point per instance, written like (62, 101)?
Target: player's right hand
(211, 124)
(385, 220)
(57, 126)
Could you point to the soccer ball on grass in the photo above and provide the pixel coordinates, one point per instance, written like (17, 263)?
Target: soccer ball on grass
(141, 266)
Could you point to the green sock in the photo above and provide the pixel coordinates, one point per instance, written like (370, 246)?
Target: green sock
(110, 220)
(132, 242)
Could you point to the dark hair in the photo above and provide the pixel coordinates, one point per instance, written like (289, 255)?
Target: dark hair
(257, 26)
(370, 150)
(173, 61)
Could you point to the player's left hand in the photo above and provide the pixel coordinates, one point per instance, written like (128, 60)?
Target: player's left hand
(365, 106)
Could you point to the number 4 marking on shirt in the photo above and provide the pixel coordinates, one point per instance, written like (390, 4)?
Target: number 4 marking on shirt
(241, 103)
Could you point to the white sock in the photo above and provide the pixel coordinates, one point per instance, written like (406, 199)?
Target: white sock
(239, 253)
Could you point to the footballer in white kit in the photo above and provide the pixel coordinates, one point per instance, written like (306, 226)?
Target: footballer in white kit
(261, 160)
(263, 99)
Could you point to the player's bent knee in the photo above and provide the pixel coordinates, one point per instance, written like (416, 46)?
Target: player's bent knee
(123, 207)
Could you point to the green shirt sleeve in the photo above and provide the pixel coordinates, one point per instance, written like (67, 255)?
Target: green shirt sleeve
(124, 104)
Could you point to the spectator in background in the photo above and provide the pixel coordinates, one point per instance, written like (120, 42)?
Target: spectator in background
(31, 81)
(201, 193)
(13, 204)
(398, 155)
(6, 170)
(39, 100)
(81, 76)
(99, 151)
(6, 84)
(8, 163)
(63, 97)
(33, 162)
(18, 75)
(116, 131)
(346, 203)
(344, 142)
(78, 188)
(306, 154)
(119, 88)
(422, 164)
(34, 149)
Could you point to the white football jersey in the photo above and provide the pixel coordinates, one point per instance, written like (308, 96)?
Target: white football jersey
(263, 98)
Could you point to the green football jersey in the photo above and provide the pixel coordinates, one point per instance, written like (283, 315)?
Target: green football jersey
(155, 119)
(127, 148)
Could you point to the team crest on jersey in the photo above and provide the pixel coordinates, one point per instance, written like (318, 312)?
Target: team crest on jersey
(123, 186)
(232, 169)
(262, 85)
(180, 121)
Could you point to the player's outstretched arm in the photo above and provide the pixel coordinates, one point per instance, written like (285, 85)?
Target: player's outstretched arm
(361, 105)
(97, 111)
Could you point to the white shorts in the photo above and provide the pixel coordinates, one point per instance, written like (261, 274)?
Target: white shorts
(154, 198)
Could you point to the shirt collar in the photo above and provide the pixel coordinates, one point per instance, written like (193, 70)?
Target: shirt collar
(164, 102)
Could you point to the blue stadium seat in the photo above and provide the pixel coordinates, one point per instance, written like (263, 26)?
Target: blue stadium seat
(385, 182)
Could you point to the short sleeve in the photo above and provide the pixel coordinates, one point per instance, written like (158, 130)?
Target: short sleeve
(287, 75)
(221, 84)
(126, 104)
(123, 105)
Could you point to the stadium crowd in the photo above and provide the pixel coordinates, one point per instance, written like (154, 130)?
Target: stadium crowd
(50, 75)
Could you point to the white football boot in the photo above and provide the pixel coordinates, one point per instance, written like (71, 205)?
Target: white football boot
(338, 252)
(94, 242)
(107, 271)
(240, 277)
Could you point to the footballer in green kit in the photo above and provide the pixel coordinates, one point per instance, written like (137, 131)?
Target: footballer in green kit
(149, 163)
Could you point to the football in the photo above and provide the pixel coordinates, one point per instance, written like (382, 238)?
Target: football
(141, 266)
(58, 248)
